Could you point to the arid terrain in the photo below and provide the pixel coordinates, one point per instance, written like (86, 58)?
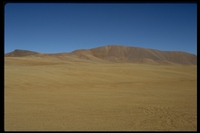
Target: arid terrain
(80, 92)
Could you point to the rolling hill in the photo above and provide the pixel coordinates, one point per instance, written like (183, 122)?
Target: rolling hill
(20, 53)
(116, 53)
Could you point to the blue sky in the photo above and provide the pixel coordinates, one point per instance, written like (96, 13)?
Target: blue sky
(64, 27)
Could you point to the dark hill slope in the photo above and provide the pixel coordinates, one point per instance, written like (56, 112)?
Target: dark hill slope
(20, 53)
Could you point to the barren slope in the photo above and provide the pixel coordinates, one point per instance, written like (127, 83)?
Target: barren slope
(115, 53)
(135, 54)
(20, 53)
(51, 94)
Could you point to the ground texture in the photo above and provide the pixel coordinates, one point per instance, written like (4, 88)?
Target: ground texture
(55, 95)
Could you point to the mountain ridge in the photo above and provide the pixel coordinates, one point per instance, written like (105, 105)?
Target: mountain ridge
(119, 53)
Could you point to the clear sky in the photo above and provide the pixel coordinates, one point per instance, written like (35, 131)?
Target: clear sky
(64, 27)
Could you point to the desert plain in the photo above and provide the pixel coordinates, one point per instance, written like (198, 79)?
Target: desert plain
(48, 94)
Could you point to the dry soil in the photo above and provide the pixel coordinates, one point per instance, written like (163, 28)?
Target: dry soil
(55, 95)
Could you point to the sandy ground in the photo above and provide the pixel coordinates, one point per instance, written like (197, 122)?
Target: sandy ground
(54, 95)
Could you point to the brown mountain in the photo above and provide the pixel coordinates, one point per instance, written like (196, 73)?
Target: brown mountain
(20, 53)
(116, 53)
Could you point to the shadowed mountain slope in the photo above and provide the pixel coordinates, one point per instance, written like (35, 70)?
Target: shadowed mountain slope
(116, 53)
(20, 53)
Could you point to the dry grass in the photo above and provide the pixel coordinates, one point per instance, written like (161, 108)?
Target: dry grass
(54, 95)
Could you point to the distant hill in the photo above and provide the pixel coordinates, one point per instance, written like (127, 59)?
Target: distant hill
(20, 53)
(116, 53)
(131, 54)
